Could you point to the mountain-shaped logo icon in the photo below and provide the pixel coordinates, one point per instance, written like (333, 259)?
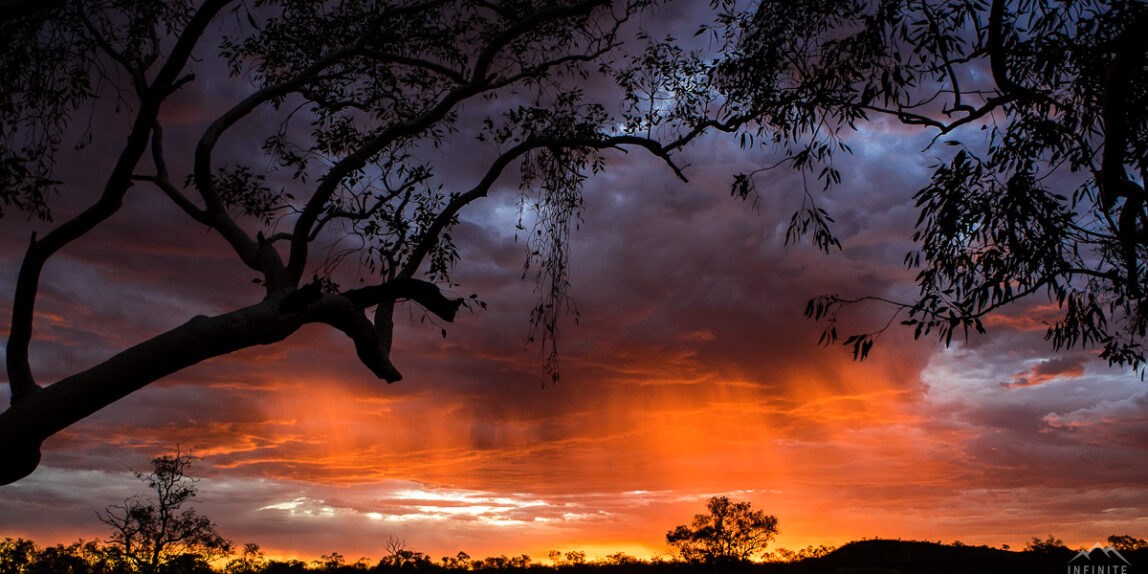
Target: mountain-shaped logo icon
(1099, 554)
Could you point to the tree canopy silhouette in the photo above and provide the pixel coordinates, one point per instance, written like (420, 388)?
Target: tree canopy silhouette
(728, 532)
(1040, 111)
(347, 100)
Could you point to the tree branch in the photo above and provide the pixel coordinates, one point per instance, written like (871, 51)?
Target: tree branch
(244, 246)
(15, 9)
(998, 56)
(972, 114)
(429, 66)
(373, 340)
(479, 83)
(373, 346)
(354, 161)
(430, 237)
(1130, 50)
(422, 292)
(28, 422)
(487, 55)
(162, 179)
(21, 380)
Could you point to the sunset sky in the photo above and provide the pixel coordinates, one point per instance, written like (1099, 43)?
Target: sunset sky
(690, 372)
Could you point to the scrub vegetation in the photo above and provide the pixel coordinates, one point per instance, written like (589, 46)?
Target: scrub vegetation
(18, 556)
(729, 537)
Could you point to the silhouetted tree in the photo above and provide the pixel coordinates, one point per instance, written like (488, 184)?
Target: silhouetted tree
(502, 562)
(555, 556)
(332, 561)
(728, 532)
(249, 560)
(15, 553)
(285, 567)
(151, 532)
(576, 557)
(787, 555)
(621, 559)
(60, 559)
(186, 564)
(399, 557)
(357, 100)
(19, 556)
(1048, 545)
(460, 561)
(1126, 542)
(1038, 189)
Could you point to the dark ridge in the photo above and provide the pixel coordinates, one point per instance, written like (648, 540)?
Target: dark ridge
(898, 556)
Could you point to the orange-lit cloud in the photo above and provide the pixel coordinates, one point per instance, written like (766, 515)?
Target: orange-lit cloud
(1036, 317)
(1049, 370)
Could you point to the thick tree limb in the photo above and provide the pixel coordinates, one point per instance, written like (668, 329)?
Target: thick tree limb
(300, 237)
(1127, 60)
(490, 51)
(422, 292)
(373, 340)
(372, 348)
(44, 412)
(248, 250)
(998, 57)
(27, 283)
(162, 179)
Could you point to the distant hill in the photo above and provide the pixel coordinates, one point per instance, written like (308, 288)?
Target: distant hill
(897, 557)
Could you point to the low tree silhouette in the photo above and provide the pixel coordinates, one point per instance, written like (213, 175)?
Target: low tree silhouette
(729, 532)
(1047, 546)
(787, 555)
(249, 560)
(332, 561)
(1126, 542)
(460, 561)
(399, 557)
(159, 529)
(576, 557)
(621, 559)
(16, 553)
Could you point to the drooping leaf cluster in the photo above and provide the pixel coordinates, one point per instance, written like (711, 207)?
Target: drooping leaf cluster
(371, 87)
(1042, 106)
(57, 60)
(395, 95)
